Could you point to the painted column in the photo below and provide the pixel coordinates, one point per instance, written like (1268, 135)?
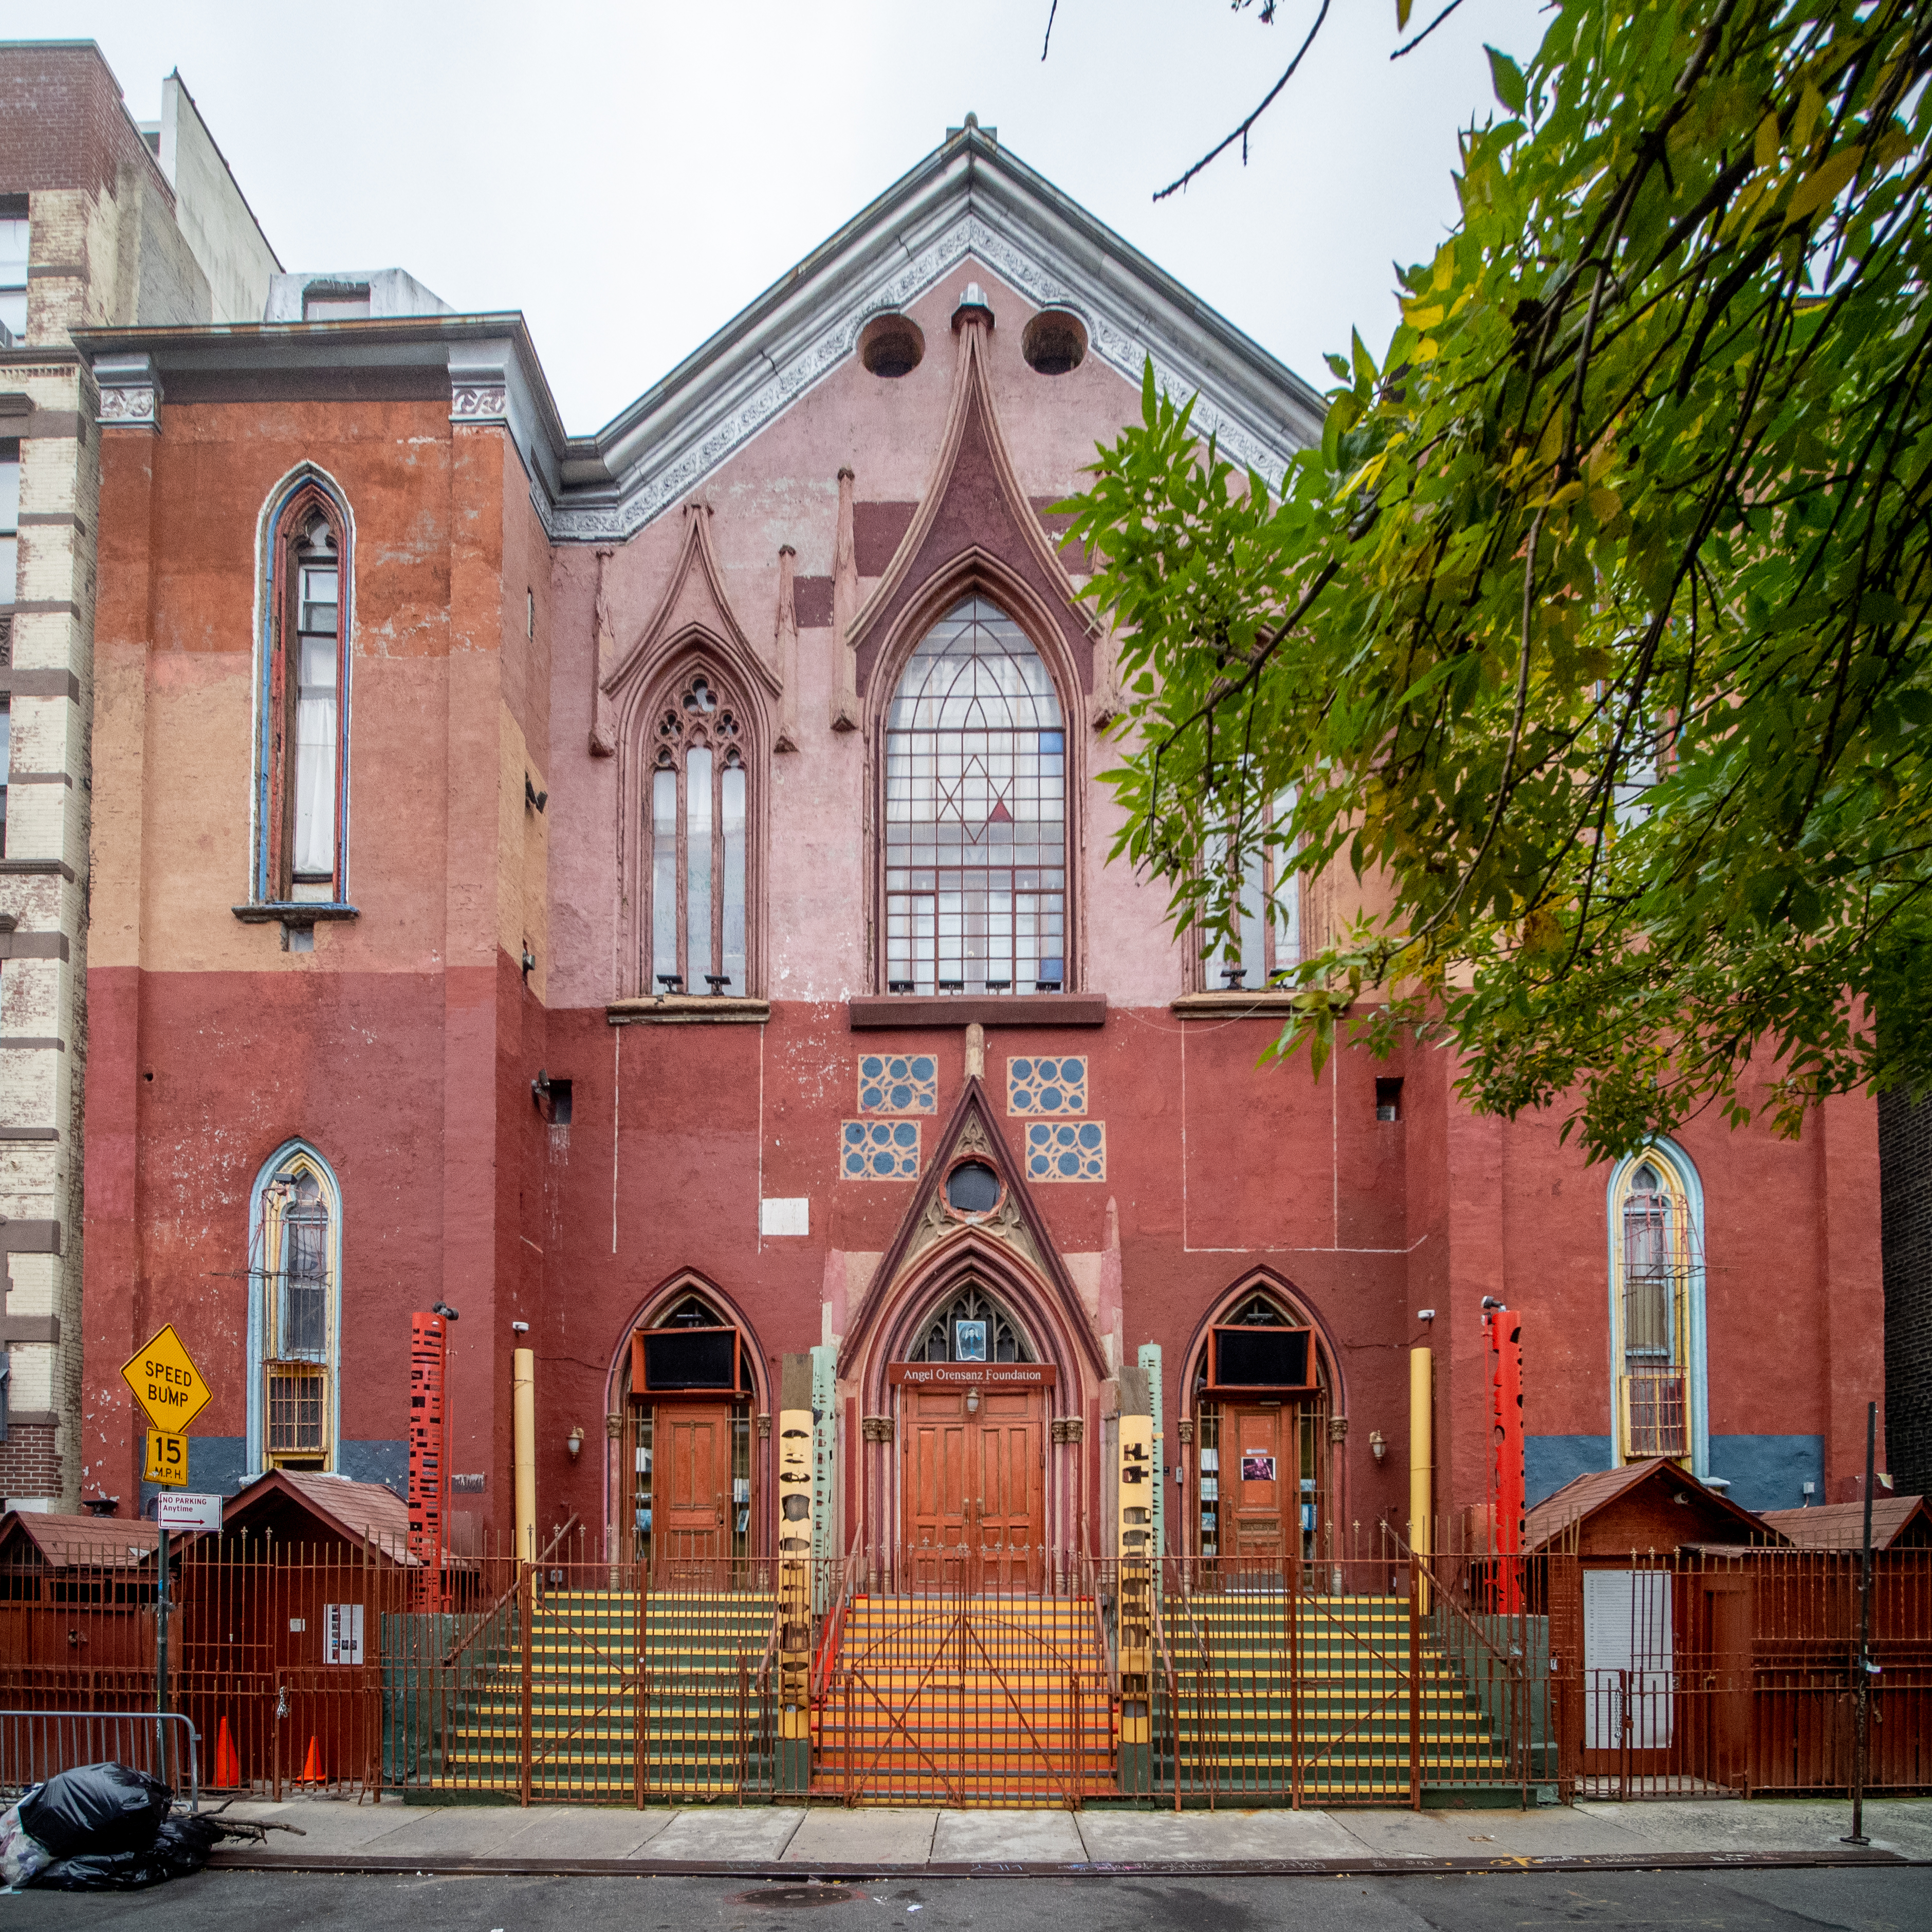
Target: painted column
(795, 1537)
(1138, 1478)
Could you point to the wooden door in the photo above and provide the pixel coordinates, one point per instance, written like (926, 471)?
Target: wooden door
(1728, 1682)
(691, 1531)
(1260, 1492)
(935, 1505)
(1007, 1500)
(973, 1486)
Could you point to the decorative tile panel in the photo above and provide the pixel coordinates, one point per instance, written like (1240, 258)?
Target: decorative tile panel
(1065, 1151)
(1047, 1086)
(878, 1151)
(898, 1083)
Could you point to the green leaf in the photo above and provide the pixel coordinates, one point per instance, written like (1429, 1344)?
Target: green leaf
(1507, 78)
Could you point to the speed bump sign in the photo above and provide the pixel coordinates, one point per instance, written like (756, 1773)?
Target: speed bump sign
(166, 1384)
(167, 1460)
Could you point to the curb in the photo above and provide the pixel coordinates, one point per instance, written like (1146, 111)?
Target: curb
(445, 1866)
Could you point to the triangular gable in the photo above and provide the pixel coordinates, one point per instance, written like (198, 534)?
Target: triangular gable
(971, 199)
(1017, 1227)
(973, 517)
(355, 1512)
(693, 609)
(1588, 1496)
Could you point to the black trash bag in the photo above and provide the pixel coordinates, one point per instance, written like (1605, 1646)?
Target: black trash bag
(181, 1848)
(97, 1811)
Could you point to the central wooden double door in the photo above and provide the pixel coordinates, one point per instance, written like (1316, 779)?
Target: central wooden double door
(974, 1479)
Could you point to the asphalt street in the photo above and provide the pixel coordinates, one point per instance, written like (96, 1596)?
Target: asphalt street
(1725, 1901)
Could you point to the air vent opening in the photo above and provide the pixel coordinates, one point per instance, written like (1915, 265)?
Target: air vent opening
(1054, 342)
(891, 346)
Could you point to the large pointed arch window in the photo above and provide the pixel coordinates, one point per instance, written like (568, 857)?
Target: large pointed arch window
(301, 800)
(975, 813)
(697, 810)
(1655, 1274)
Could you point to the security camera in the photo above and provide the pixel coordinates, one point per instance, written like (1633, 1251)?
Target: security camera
(1425, 1315)
(443, 1308)
(520, 1327)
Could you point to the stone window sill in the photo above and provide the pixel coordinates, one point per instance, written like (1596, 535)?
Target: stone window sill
(293, 912)
(689, 1010)
(1231, 1006)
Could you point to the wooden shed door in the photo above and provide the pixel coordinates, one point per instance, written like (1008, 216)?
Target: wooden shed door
(694, 1485)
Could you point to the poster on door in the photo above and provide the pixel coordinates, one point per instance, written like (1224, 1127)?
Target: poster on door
(1257, 1469)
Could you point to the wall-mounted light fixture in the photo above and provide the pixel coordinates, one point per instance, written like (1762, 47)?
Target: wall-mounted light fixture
(1378, 1448)
(575, 1444)
(972, 1402)
(529, 960)
(443, 1308)
(539, 1088)
(532, 797)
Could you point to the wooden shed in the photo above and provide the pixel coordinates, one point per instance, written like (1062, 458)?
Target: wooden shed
(1657, 1643)
(1898, 1522)
(76, 1600)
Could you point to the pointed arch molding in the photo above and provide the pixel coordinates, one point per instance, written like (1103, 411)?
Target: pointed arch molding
(975, 530)
(1010, 1254)
(693, 628)
(1295, 1305)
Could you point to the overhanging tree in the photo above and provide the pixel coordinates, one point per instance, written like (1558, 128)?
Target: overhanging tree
(1596, 628)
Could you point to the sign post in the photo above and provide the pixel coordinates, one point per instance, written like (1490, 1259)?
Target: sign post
(168, 1385)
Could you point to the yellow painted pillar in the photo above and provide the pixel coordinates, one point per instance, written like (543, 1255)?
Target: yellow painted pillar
(524, 1425)
(1422, 1454)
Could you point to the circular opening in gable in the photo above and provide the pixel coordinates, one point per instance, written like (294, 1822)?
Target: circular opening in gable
(1053, 342)
(891, 346)
(972, 1189)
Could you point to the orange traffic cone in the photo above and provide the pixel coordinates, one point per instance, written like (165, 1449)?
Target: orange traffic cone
(311, 1770)
(227, 1765)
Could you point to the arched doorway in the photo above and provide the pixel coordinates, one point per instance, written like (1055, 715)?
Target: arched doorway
(686, 1498)
(1259, 1402)
(973, 1422)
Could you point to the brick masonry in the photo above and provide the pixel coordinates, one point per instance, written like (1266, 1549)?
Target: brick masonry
(1905, 1195)
(30, 1463)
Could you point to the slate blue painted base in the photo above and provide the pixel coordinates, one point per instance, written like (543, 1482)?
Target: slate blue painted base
(1769, 1472)
(217, 1466)
(1549, 1462)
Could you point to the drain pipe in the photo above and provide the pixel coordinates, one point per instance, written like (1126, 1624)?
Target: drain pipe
(1422, 1458)
(524, 1425)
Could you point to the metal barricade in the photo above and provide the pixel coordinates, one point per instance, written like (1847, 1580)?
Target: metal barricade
(35, 1744)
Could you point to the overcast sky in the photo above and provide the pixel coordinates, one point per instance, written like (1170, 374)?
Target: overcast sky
(631, 176)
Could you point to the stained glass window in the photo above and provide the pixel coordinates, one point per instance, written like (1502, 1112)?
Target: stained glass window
(975, 813)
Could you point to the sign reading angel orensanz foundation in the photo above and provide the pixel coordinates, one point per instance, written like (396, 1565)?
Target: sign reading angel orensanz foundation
(973, 1374)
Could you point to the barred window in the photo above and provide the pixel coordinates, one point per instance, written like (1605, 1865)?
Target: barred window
(975, 813)
(1656, 1262)
(297, 1249)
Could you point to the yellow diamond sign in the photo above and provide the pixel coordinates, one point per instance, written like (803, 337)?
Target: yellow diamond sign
(166, 1383)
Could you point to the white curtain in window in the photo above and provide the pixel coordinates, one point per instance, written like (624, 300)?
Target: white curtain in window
(315, 730)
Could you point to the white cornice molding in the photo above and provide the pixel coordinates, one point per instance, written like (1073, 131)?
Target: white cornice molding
(976, 203)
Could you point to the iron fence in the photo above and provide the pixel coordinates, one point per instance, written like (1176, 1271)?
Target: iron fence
(35, 1744)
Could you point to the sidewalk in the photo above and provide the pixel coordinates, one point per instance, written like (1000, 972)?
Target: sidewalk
(341, 1834)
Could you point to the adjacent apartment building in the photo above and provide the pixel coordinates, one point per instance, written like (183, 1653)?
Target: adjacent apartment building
(104, 222)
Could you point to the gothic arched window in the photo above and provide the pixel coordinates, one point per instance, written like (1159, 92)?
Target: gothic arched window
(697, 814)
(302, 796)
(975, 813)
(295, 1327)
(1656, 1263)
(971, 1327)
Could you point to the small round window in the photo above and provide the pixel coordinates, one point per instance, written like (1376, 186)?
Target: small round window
(972, 1189)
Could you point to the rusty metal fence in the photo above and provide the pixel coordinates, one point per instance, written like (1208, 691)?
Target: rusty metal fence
(1375, 1677)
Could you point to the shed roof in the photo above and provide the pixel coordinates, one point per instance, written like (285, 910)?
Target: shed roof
(69, 1542)
(356, 1512)
(1584, 1496)
(1895, 1519)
